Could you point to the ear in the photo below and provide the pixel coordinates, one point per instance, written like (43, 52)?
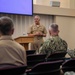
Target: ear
(49, 32)
(0, 34)
(39, 19)
(58, 31)
(12, 31)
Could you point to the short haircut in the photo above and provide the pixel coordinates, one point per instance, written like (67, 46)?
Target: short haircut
(6, 24)
(54, 27)
(37, 16)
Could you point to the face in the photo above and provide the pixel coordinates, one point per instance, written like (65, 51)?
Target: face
(36, 20)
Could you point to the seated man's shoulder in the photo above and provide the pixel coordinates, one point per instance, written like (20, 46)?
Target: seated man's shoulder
(63, 45)
(64, 42)
(48, 40)
(71, 53)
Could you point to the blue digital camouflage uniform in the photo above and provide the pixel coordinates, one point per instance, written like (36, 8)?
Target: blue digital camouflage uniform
(52, 45)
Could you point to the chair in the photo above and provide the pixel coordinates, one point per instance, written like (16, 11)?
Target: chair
(56, 56)
(34, 59)
(68, 65)
(46, 68)
(28, 52)
(13, 70)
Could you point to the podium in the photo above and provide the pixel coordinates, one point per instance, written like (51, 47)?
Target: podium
(24, 41)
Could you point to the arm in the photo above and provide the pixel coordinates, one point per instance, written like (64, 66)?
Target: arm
(41, 34)
(44, 35)
(42, 49)
(45, 48)
(35, 34)
(32, 35)
(29, 32)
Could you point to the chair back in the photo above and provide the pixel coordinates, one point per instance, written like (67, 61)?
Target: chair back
(56, 56)
(68, 65)
(28, 52)
(34, 59)
(14, 70)
(46, 68)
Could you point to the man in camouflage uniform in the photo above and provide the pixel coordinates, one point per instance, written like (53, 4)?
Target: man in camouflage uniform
(37, 31)
(54, 43)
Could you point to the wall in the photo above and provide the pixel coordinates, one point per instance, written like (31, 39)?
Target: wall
(67, 29)
(63, 3)
(72, 4)
(47, 10)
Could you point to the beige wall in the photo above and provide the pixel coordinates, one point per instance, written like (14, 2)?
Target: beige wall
(34, 1)
(72, 4)
(47, 10)
(43, 2)
(67, 29)
(63, 3)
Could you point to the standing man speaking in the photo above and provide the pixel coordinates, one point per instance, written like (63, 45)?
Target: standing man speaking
(38, 31)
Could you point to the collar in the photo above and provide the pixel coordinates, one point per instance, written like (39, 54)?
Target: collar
(54, 36)
(6, 37)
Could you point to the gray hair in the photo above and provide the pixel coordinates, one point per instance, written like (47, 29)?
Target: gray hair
(37, 16)
(54, 27)
(6, 24)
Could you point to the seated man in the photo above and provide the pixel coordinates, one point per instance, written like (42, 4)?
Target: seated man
(11, 52)
(54, 43)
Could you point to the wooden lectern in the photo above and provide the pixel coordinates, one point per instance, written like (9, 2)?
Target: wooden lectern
(24, 40)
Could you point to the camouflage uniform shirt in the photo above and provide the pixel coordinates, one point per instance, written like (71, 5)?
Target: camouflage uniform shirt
(52, 45)
(71, 53)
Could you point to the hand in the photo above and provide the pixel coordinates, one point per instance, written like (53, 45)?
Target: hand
(41, 34)
(37, 34)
